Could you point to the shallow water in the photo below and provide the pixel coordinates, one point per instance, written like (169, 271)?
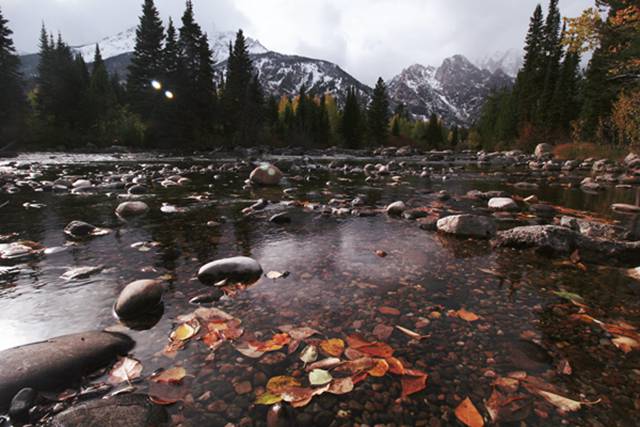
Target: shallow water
(337, 284)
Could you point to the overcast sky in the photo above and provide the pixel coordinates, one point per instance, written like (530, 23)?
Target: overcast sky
(367, 38)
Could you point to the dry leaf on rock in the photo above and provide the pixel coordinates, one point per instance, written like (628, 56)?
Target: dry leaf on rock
(125, 370)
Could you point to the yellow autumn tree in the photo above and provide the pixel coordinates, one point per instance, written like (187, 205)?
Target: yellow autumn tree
(626, 117)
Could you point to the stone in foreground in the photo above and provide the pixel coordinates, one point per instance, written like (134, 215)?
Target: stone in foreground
(59, 362)
(480, 227)
(502, 204)
(236, 269)
(125, 410)
(129, 209)
(266, 174)
(396, 208)
(139, 298)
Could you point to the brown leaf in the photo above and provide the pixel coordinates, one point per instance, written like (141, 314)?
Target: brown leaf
(466, 315)
(411, 334)
(328, 363)
(172, 376)
(389, 311)
(468, 415)
(413, 381)
(125, 370)
(332, 347)
(279, 384)
(379, 369)
(382, 331)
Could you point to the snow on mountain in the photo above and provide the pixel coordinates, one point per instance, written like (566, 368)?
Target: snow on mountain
(509, 61)
(454, 91)
(125, 41)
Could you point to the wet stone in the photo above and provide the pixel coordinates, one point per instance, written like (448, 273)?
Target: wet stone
(131, 209)
(236, 269)
(139, 298)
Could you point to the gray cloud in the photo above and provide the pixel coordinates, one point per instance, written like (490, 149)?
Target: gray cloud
(366, 37)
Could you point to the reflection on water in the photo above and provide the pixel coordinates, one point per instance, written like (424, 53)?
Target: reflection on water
(336, 284)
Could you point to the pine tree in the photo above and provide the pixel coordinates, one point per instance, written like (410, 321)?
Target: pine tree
(565, 105)
(378, 114)
(433, 134)
(11, 87)
(351, 120)
(530, 78)
(455, 137)
(552, 48)
(101, 96)
(171, 56)
(146, 62)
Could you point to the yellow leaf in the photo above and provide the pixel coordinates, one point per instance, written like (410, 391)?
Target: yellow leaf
(468, 415)
(279, 384)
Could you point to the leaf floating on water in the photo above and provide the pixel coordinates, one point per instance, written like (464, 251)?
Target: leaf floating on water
(332, 347)
(309, 354)
(125, 370)
(468, 414)
(185, 331)
(268, 399)
(170, 376)
(413, 381)
(273, 275)
(279, 384)
(319, 377)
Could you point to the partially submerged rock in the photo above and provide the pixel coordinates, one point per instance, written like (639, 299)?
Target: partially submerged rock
(396, 208)
(502, 204)
(466, 225)
(235, 269)
(266, 174)
(125, 410)
(130, 209)
(59, 362)
(139, 298)
(81, 229)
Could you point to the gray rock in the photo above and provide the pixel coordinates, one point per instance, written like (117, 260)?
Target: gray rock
(236, 269)
(139, 298)
(503, 204)
(125, 410)
(543, 151)
(21, 403)
(280, 218)
(476, 226)
(266, 174)
(129, 209)
(595, 229)
(59, 362)
(80, 229)
(137, 189)
(396, 208)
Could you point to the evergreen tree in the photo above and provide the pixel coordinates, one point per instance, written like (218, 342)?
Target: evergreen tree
(171, 56)
(565, 105)
(146, 62)
(455, 137)
(11, 87)
(530, 78)
(351, 120)
(552, 48)
(378, 114)
(433, 134)
(100, 96)
(240, 95)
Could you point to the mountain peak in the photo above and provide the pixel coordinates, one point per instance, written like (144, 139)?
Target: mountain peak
(509, 61)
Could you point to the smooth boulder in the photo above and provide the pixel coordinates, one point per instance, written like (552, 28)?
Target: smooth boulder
(125, 410)
(59, 362)
(236, 269)
(543, 151)
(130, 209)
(466, 225)
(396, 208)
(266, 174)
(79, 229)
(139, 298)
(502, 204)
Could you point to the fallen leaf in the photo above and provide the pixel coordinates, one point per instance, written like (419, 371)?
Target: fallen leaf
(332, 347)
(506, 384)
(298, 396)
(275, 343)
(508, 409)
(319, 377)
(172, 376)
(377, 349)
(341, 386)
(357, 366)
(268, 399)
(356, 341)
(277, 385)
(466, 315)
(382, 331)
(301, 333)
(166, 393)
(625, 344)
(125, 370)
(395, 366)
(413, 381)
(185, 331)
(273, 275)
(328, 363)
(309, 354)
(408, 332)
(468, 415)
(380, 368)
(389, 311)
(249, 350)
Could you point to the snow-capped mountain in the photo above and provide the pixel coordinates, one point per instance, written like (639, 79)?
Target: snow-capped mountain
(125, 41)
(454, 91)
(509, 61)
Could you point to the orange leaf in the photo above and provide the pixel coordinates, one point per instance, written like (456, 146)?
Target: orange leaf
(356, 341)
(413, 381)
(380, 369)
(467, 315)
(389, 310)
(332, 347)
(277, 385)
(395, 366)
(377, 349)
(468, 415)
(171, 376)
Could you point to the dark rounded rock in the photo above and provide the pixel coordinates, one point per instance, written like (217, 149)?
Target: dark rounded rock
(21, 403)
(281, 218)
(130, 209)
(79, 229)
(236, 269)
(266, 174)
(138, 298)
(58, 362)
(137, 189)
(125, 410)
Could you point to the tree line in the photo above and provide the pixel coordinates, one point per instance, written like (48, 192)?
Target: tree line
(553, 100)
(173, 98)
